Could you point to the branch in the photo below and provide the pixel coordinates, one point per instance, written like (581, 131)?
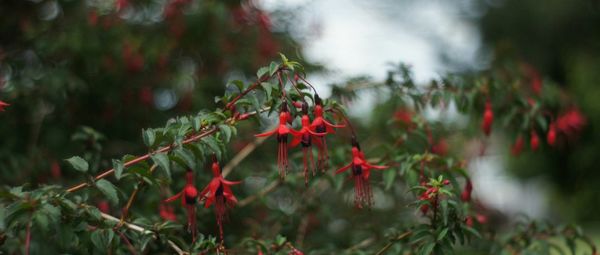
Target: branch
(125, 210)
(242, 154)
(392, 241)
(142, 230)
(263, 192)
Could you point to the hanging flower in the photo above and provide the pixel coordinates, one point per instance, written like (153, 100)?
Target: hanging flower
(551, 137)
(282, 131)
(363, 195)
(534, 142)
(571, 122)
(218, 192)
(518, 146)
(466, 193)
(3, 105)
(488, 118)
(321, 125)
(167, 212)
(189, 197)
(305, 136)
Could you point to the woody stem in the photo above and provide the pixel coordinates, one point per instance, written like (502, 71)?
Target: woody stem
(392, 241)
(125, 210)
(231, 104)
(208, 131)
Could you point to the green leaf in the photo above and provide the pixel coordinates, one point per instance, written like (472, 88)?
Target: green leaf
(118, 166)
(102, 238)
(388, 177)
(162, 160)
(280, 240)
(149, 137)
(268, 87)
(273, 68)
(427, 249)
(212, 144)
(109, 190)
(186, 156)
(442, 234)
(226, 131)
(78, 163)
(262, 71)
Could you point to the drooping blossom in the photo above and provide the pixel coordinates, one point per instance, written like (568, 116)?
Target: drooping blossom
(517, 146)
(167, 212)
(488, 118)
(306, 136)
(321, 125)
(466, 193)
(534, 141)
(218, 192)
(189, 198)
(3, 105)
(282, 131)
(570, 122)
(551, 136)
(361, 170)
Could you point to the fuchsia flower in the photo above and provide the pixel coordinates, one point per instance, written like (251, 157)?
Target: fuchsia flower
(534, 142)
(551, 137)
(189, 197)
(167, 212)
(218, 192)
(517, 146)
(306, 136)
(488, 118)
(3, 105)
(282, 132)
(321, 125)
(361, 170)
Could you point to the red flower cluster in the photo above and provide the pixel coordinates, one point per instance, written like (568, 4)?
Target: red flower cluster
(571, 122)
(217, 192)
(430, 194)
(361, 170)
(309, 133)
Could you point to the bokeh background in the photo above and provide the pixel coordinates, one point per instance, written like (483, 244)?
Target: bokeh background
(120, 66)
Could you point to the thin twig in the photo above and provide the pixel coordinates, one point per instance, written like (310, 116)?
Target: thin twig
(207, 132)
(142, 230)
(242, 154)
(125, 210)
(392, 241)
(263, 192)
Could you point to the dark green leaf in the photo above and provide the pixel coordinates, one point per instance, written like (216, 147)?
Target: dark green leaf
(149, 137)
(162, 160)
(109, 190)
(78, 163)
(118, 166)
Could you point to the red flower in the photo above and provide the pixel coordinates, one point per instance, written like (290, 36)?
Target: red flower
(363, 195)
(295, 251)
(488, 118)
(189, 197)
(518, 146)
(2, 105)
(551, 137)
(466, 194)
(571, 122)
(167, 212)
(404, 116)
(534, 142)
(440, 148)
(306, 136)
(218, 192)
(282, 132)
(321, 125)
(103, 206)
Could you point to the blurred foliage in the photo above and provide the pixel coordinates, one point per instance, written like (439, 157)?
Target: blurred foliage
(561, 40)
(92, 83)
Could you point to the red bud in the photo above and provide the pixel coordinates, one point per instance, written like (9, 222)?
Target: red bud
(488, 118)
(551, 138)
(535, 141)
(518, 146)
